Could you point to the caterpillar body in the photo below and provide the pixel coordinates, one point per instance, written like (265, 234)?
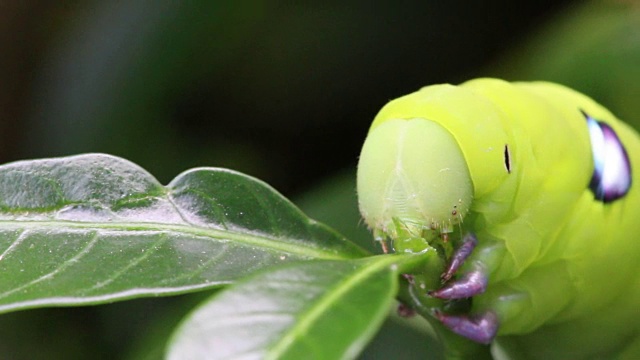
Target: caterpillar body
(538, 180)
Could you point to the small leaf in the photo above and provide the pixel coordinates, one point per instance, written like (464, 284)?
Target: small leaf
(96, 228)
(317, 309)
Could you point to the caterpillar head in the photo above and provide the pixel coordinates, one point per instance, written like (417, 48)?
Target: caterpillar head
(427, 157)
(413, 178)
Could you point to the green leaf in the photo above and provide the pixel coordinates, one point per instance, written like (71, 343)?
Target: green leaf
(95, 228)
(317, 309)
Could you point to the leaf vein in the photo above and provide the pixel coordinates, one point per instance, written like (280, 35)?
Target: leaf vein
(123, 270)
(85, 250)
(19, 239)
(307, 318)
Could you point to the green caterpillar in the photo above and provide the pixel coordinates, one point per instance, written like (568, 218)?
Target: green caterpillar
(532, 183)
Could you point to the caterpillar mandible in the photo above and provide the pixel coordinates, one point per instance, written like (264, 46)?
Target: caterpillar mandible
(533, 185)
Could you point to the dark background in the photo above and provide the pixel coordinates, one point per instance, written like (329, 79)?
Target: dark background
(282, 91)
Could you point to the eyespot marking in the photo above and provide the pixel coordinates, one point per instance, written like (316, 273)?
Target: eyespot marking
(611, 179)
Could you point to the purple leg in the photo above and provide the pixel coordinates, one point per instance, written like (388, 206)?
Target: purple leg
(481, 328)
(469, 243)
(470, 284)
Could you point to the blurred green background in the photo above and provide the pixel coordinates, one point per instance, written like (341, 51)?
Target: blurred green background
(281, 91)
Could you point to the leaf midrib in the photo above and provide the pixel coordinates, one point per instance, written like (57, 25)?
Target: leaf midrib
(250, 238)
(325, 302)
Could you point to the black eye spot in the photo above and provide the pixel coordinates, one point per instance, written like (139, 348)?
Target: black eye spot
(611, 177)
(507, 158)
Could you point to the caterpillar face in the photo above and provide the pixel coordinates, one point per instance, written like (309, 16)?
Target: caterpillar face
(426, 159)
(413, 175)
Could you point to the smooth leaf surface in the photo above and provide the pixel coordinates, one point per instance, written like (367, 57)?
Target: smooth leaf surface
(317, 309)
(95, 228)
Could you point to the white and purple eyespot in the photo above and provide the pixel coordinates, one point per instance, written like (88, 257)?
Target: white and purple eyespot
(611, 177)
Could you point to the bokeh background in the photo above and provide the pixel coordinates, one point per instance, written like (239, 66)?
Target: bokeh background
(280, 90)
